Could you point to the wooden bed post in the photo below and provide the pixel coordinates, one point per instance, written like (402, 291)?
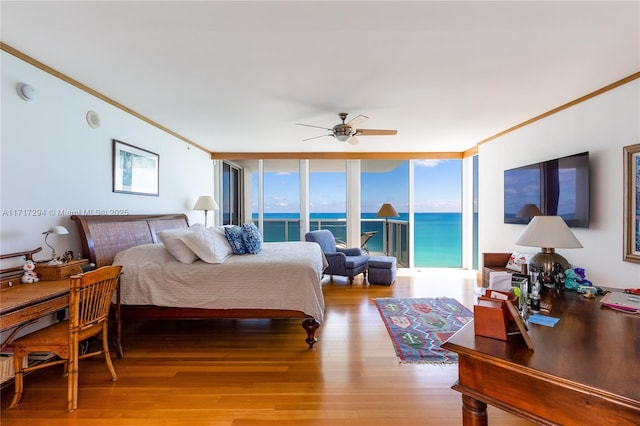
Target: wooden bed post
(311, 325)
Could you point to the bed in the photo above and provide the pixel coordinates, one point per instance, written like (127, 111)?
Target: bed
(282, 281)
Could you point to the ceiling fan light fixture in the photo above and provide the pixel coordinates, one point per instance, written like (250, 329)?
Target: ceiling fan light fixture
(343, 132)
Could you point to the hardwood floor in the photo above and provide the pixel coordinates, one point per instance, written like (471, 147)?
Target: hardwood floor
(261, 372)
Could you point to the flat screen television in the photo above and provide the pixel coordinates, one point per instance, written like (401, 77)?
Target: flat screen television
(558, 187)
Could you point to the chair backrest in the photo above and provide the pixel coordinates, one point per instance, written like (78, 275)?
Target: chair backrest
(325, 238)
(90, 296)
(366, 236)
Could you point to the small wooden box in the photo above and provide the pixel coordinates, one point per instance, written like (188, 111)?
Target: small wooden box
(58, 272)
(498, 319)
(490, 319)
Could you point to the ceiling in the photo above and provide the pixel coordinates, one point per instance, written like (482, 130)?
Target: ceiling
(237, 76)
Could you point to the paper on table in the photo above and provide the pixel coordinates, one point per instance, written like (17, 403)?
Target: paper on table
(500, 281)
(543, 320)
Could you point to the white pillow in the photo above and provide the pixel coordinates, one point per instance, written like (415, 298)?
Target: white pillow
(207, 244)
(221, 242)
(517, 259)
(178, 249)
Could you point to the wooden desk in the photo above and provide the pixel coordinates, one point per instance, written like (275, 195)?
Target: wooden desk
(585, 370)
(25, 303)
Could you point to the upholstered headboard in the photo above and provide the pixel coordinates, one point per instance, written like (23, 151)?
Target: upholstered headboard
(104, 236)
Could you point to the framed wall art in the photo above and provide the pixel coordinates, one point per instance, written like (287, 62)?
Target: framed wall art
(135, 170)
(632, 203)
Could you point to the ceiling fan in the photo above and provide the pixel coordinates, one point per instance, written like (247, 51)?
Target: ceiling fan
(347, 132)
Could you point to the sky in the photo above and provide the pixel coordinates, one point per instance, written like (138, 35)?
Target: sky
(437, 185)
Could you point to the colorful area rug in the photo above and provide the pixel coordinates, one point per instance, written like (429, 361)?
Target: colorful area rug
(419, 326)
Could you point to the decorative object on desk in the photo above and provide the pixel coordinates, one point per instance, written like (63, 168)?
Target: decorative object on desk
(521, 283)
(387, 211)
(631, 207)
(206, 203)
(29, 275)
(548, 233)
(574, 278)
(535, 297)
(418, 327)
(135, 170)
(56, 230)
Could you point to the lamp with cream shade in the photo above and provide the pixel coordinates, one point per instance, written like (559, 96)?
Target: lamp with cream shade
(387, 210)
(206, 203)
(548, 233)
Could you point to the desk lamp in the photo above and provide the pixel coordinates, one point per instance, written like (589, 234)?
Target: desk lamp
(56, 230)
(548, 233)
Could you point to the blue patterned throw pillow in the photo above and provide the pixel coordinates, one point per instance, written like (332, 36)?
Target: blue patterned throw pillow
(251, 238)
(234, 236)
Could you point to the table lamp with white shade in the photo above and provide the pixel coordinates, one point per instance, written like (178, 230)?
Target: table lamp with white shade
(206, 203)
(548, 233)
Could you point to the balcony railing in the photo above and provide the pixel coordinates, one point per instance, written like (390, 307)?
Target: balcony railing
(397, 239)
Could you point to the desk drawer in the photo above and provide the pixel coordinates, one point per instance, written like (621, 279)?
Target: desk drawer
(29, 313)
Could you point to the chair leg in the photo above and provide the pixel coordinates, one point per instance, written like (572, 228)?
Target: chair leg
(351, 280)
(107, 355)
(18, 380)
(72, 377)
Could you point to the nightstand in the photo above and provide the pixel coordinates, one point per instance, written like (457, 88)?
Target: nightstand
(48, 272)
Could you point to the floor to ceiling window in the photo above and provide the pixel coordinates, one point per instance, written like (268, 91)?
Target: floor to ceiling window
(328, 196)
(437, 204)
(281, 200)
(385, 181)
(426, 233)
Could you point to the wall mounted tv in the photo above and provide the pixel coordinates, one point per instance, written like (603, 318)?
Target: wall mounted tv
(558, 187)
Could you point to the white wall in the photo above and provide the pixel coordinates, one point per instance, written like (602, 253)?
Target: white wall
(53, 163)
(602, 126)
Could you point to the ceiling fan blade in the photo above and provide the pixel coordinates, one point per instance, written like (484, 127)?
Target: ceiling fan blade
(375, 132)
(353, 140)
(316, 137)
(357, 120)
(309, 125)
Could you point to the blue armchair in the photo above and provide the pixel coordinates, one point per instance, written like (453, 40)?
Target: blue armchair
(346, 262)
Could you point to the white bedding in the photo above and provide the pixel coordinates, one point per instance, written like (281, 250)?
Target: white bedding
(281, 276)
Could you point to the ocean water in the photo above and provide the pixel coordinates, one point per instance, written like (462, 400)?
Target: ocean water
(437, 241)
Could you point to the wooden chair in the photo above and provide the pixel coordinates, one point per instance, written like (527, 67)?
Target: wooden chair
(89, 301)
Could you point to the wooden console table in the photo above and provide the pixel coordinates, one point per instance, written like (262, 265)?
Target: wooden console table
(584, 370)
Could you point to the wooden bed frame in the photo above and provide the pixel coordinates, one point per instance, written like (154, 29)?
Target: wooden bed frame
(104, 236)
